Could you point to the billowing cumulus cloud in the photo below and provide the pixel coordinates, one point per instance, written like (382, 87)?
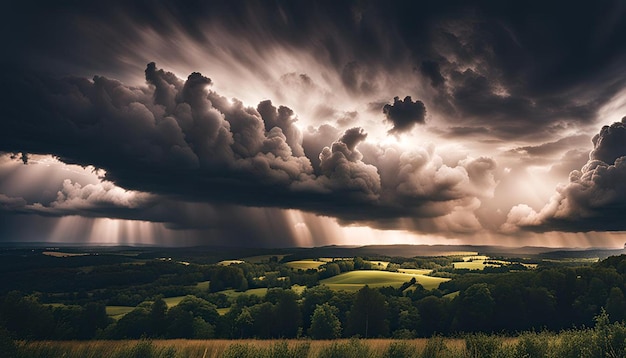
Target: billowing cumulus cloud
(404, 114)
(180, 140)
(595, 197)
(273, 108)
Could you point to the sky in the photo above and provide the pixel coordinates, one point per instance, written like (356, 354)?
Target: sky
(310, 123)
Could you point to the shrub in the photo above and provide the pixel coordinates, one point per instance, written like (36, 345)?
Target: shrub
(240, 350)
(610, 337)
(276, 350)
(533, 344)
(481, 345)
(435, 347)
(351, 349)
(400, 350)
(146, 349)
(282, 350)
(575, 343)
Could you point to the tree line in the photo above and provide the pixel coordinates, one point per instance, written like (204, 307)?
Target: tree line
(553, 298)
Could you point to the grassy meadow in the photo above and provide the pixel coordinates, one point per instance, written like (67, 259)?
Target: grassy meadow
(355, 280)
(304, 264)
(605, 340)
(242, 348)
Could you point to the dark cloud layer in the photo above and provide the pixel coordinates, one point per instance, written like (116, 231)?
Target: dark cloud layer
(521, 69)
(536, 73)
(180, 140)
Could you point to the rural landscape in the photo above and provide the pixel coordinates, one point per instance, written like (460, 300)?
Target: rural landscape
(317, 302)
(312, 179)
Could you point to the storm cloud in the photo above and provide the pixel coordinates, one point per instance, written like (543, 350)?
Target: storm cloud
(595, 197)
(180, 140)
(285, 108)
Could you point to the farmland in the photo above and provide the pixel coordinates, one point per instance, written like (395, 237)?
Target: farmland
(233, 295)
(354, 280)
(305, 264)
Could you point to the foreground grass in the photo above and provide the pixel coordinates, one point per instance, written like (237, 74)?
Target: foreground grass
(230, 348)
(605, 340)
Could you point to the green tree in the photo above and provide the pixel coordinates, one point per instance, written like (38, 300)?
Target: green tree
(199, 308)
(288, 317)
(181, 323)
(368, 314)
(311, 298)
(244, 323)
(616, 305)
(330, 270)
(243, 286)
(324, 323)
(476, 308)
(224, 277)
(158, 312)
(25, 317)
(134, 324)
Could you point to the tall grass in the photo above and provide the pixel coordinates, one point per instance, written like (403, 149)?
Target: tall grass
(605, 340)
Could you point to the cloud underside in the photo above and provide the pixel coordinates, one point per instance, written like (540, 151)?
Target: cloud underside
(179, 140)
(477, 66)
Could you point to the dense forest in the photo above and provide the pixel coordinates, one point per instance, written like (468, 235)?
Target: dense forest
(67, 298)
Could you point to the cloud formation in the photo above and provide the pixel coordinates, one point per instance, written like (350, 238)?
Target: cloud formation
(296, 112)
(178, 139)
(595, 197)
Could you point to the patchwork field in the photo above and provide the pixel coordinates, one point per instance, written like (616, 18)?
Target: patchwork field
(305, 264)
(479, 262)
(354, 280)
(117, 312)
(379, 265)
(416, 271)
(230, 262)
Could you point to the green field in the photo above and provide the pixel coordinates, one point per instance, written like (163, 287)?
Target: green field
(173, 301)
(452, 295)
(203, 285)
(230, 262)
(223, 311)
(304, 264)
(416, 271)
(478, 263)
(354, 280)
(232, 294)
(117, 312)
(379, 265)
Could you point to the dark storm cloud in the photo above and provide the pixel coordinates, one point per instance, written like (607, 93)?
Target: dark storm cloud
(610, 143)
(404, 114)
(431, 70)
(519, 69)
(595, 197)
(181, 141)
